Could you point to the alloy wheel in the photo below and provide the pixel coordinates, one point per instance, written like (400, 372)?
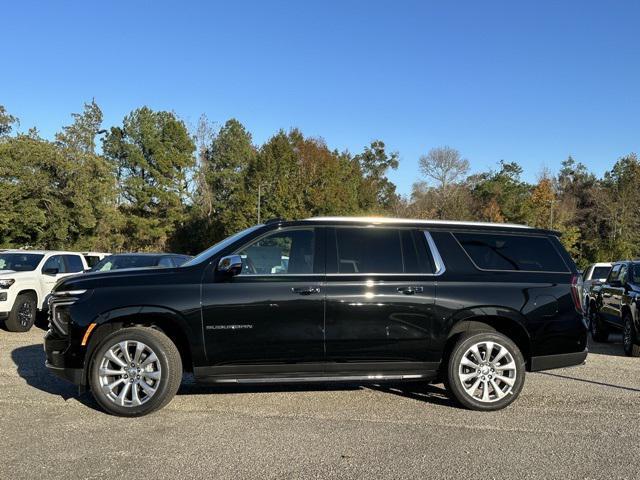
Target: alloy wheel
(129, 373)
(487, 371)
(25, 314)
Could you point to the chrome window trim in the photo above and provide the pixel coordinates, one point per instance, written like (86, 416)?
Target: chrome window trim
(437, 259)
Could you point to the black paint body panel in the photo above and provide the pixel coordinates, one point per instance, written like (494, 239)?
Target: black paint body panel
(353, 325)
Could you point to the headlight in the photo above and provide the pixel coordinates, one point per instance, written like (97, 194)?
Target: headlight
(7, 282)
(59, 303)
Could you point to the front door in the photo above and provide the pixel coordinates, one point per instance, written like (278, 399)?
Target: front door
(379, 299)
(272, 313)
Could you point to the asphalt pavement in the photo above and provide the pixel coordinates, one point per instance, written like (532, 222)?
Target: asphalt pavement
(581, 422)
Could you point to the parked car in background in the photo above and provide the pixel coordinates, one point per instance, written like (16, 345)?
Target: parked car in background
(358, 299)
(92, 258)
(617, 307)
(139, 260)
(593, 276)
(26, 279)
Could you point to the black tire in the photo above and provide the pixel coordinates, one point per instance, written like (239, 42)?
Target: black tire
(507, 394)
(23, 314)
(168, 362)
(599, 331)
(631, 349)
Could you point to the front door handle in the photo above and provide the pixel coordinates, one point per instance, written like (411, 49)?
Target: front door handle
(305, 290)
(410, 290)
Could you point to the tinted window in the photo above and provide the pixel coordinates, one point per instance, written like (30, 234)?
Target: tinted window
(165, 262)
(179, 260)
(614, 273)
(91, 260)
(19, 262)
(600, 272)
(117, 262)
(635, 273)
(376, 250)
(286, 252)
(56, 262)
(74, 263)
(512, 252)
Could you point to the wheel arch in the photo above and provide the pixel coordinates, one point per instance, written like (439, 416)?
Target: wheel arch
(171, 323)
(509, 325)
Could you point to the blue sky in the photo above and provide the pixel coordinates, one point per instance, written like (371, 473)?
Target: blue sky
(531, 82)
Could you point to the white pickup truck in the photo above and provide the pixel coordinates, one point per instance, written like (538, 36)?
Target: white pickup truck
(26, 280)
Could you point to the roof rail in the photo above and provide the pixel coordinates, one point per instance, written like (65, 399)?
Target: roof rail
(274, 220)
(406, 220)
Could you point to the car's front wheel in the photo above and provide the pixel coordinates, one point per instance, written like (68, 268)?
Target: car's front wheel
(485, 371)
(23, 314)
(631, 349)
(135, 371)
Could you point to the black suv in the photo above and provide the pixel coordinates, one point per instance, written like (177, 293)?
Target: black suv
(327, 299)
(617, 306)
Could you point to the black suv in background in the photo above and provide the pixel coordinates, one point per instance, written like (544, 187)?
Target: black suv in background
(617, 306)
(327, 299)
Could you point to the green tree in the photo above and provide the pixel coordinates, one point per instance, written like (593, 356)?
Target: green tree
(375, 191)
(152, 153)
(6, 121)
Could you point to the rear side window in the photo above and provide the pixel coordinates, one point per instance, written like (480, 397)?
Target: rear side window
(74, 263)
(511, 252)
(165, 262)
(375, 250)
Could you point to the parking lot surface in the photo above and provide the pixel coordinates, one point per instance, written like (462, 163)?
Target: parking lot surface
(581, 422)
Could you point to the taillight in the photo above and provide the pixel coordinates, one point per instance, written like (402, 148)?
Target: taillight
(576, 284)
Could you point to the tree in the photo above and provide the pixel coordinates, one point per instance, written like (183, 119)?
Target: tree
(444, 169)
(375, 191)
(152, 153)
(6, 122)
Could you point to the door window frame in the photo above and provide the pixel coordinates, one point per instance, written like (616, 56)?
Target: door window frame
(319, 262)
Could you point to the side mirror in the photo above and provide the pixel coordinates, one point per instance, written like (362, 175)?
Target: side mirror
(50, 271)
(615, 283)
(230, 265)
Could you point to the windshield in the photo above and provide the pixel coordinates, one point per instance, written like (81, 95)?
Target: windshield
(209, 252)
(117, 262)
(19, 262)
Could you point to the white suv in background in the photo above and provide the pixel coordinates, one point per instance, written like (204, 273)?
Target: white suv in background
(26, 280)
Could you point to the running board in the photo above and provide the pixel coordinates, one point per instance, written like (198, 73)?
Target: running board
(313, 379)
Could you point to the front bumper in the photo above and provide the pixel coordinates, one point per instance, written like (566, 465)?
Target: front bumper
(549, 362)
(55, 349)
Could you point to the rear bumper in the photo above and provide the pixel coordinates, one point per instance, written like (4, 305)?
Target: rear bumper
(549, 362)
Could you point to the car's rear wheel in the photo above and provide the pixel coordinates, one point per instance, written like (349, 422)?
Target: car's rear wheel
(23, 314)
(599, 331)
(135, 371)
(631, 349)
(485, 371)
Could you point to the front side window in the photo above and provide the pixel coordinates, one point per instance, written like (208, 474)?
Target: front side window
(55, 262)
(74, 264)
(511, 252)
(614, 274)
(280, 253)
(635, 274)
(20, 262)
(375, 250)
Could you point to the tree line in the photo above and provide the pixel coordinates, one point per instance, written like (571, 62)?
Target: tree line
(152, 184)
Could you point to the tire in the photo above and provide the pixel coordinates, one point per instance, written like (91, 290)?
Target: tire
(631, 349)
(156, 380)
(23, 314)
(501, 389)
(599, 332)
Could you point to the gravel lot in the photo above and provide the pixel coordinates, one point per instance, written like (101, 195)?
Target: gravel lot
(572, 423)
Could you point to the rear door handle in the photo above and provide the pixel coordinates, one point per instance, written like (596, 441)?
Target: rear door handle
(305, 290)
(410, 290)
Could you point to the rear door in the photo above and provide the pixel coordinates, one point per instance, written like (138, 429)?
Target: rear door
(380, 293)
(610, 294)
